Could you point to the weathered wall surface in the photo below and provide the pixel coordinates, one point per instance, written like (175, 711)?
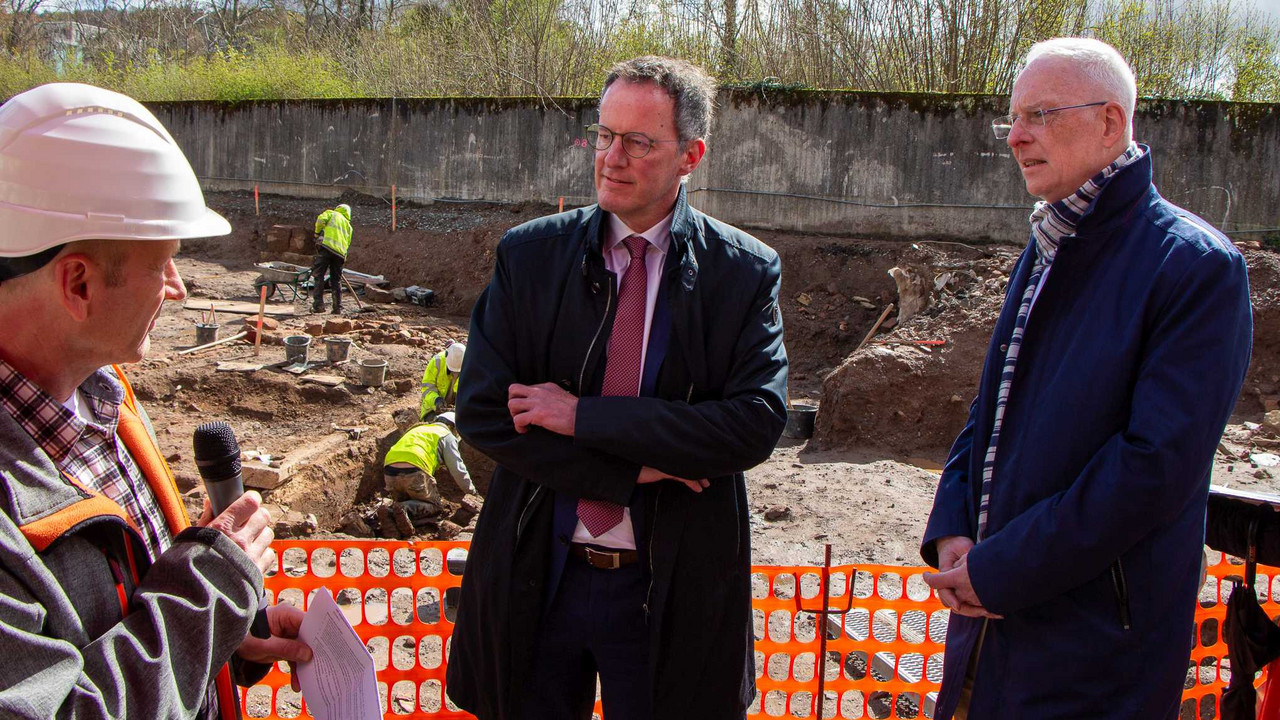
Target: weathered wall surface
(909, 166)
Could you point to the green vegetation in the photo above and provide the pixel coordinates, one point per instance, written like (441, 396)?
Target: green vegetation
(236, 50)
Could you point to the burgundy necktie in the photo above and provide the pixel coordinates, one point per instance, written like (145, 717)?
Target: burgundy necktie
(622, 367)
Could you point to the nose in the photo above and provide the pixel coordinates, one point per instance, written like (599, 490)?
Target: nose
(174, 289)
(1018, 134)
(615, 155)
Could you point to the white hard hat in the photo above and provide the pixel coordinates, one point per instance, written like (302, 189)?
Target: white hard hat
(78, 162)
(453, 356)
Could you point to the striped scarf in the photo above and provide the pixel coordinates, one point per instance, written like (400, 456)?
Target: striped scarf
(1050, 224)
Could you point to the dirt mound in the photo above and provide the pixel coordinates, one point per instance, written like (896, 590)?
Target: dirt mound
(832, 291)
(912, 398)
(1262, 384)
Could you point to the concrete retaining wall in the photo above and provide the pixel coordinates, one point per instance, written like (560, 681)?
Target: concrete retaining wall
(909, 166)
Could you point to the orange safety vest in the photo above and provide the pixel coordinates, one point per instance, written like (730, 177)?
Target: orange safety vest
(133, 433)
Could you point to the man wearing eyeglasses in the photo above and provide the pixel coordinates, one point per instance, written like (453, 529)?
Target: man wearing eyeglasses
(624, 367)
(1068, 524)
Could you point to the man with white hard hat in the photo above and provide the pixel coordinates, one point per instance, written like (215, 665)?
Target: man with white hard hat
(440, 380)
(110, 605)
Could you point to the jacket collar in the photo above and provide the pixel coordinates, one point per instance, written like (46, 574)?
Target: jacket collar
(1117, 200)
(32, 486)
(685, 233)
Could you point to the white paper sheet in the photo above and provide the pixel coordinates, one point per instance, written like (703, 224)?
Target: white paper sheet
(339, 683)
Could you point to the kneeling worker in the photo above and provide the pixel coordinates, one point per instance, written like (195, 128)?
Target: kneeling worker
(440, 380)
(411, 466)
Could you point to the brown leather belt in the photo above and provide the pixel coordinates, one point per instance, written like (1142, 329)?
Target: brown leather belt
(603, 559)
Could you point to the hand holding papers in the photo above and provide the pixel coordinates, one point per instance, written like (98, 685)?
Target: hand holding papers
(339, 682)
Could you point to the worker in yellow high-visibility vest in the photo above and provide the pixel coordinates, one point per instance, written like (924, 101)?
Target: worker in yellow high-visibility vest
(440, 380)
(414, 464)
(333, 240)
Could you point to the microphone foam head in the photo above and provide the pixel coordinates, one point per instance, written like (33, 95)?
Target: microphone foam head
(217, 453)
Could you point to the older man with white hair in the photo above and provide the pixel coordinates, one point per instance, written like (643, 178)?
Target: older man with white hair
(1069, 520)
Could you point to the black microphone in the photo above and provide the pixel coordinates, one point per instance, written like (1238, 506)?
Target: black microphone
(218, 460)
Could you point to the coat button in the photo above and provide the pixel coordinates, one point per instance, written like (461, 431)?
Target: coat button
(1004, 348)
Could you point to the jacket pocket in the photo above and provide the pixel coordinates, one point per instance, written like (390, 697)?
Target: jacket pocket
(526, 512)
(1121, 589)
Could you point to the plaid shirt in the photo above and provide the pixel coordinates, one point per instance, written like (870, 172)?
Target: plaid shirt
(89, 452)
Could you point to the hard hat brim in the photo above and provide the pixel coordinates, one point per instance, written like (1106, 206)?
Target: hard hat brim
(92, 226)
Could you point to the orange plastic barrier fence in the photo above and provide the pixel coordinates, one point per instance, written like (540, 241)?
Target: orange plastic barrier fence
(885, 631)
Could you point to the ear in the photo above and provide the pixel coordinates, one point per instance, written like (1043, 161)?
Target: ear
(1113, 124)
(692, 155)
(78, 279)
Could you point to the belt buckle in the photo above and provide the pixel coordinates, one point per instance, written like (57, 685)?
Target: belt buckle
(606, 560)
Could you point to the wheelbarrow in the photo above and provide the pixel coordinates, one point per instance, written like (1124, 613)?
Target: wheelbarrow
(278, 276)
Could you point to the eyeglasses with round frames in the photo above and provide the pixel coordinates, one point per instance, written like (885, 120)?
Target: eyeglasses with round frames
(1002, 126)
(635, 144)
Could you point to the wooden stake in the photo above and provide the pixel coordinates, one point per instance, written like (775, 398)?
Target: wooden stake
(393, 208)
(822, 632)
(255, 199)
(561, 203)
(262, 309)
(875, 327)
(359, 305)
(215, 342)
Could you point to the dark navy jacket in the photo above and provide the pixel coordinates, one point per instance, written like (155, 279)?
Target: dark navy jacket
(1132, 362)
(715, 407)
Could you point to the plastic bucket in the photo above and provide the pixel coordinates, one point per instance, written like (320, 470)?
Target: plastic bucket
(206, 333)
(337, 348)
(295, 348)
(373, 371)
(800, 417)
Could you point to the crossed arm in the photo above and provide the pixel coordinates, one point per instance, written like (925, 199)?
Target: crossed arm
(599, 448)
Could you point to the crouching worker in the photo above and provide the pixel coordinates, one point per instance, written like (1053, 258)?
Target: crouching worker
(110, 605)
(440, 380)
(415, 463)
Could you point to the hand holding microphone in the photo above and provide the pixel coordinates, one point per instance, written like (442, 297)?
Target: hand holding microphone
(229, 509)
(218, 460)
(232, 511)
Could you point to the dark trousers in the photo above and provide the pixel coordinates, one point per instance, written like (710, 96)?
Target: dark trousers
(595, 625)
(327, 259)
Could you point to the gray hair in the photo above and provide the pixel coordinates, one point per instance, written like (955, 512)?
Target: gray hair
(692, 89)
(1098, 62)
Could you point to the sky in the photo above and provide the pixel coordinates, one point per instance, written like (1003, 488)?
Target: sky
(1269, 6)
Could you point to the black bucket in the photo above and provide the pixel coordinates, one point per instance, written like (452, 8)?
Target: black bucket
(800, 417)
(206, 333)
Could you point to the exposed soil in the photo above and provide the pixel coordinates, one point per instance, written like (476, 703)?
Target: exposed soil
(865, 484)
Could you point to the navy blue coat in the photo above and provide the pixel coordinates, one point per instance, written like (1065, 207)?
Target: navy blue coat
(1132, 362)
(715, 408)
